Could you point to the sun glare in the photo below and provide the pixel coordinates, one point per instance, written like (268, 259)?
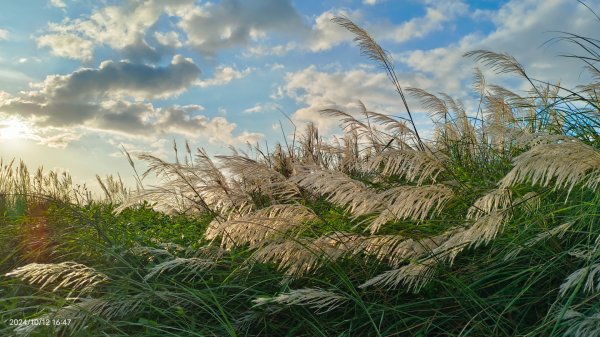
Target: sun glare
(13, 129)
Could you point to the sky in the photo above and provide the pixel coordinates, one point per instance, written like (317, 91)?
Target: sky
(81, 79)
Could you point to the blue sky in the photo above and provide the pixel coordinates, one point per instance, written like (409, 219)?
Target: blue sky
(79, 79)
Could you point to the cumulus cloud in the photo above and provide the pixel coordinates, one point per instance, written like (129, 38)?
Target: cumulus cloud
(120, 27)
(437, 12)
(76, 98)
(322, 35)
(316, 90)
(67, 45)
(223, 75)
(530, 21)
(4, 34)
(112, 99)
(58, 3)
(325, 34)
(169, 39)
(444, 69)
(234, 23)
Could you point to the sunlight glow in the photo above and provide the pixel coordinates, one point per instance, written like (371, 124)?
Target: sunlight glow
(12, 129)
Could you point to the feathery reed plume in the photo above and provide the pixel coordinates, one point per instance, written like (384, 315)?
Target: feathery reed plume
(590, 275)
(434, 105)
(259, 227)
(371, 49)
(499, 62)
(71, 275)
(558, 232)
(479, 83)
(537, 138)
(299, 257)
(348, 121)
(113, 188)
(394, 250)
(411, 202)
(150, 253)
(496, 199)
(315, 298)
(391, 124)
(339, 189)
(482, 231)
(260, 177)
(199, 186)
(190, 266)
(581, 325)
(77, 315)
(413, 275)
(414, 166)
(568, 164)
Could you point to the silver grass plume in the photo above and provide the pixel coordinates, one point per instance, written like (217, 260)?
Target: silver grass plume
(496, 199)
(371, 49)
(432, 104)
(315, 298)
(589, 275)
(190, 266)
(558, 232)
(413, 276)
(260, 176)
(339, 189)
(70, 275)
(528, 140)
(415, 166)
(411, 202)
(481, 232)
(260, 227)
(582, 325)
(394, 250)
(562, 165)
(499, 62)
(299, 257)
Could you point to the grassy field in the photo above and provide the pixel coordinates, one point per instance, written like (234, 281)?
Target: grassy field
(490, 228)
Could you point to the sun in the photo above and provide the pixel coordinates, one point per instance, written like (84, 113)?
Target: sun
(11, 129)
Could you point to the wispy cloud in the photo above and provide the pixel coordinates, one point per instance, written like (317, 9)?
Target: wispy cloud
(4, 34)
(223, 75)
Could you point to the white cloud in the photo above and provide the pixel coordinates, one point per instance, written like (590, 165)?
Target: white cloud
(58, 3)
(80, 97)
(4, 34)
(234, 23)
(110, 99)
(60, 139)
(223, 75)
(276, 66)
(521, 29)
(327, 34)
(317, 90)
(264, 50)
(261, 107)
(437, 13)
(120, 27)
(169, 39)
(67, 45)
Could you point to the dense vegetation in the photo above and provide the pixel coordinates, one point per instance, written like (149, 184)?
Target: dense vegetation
(490, 228)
